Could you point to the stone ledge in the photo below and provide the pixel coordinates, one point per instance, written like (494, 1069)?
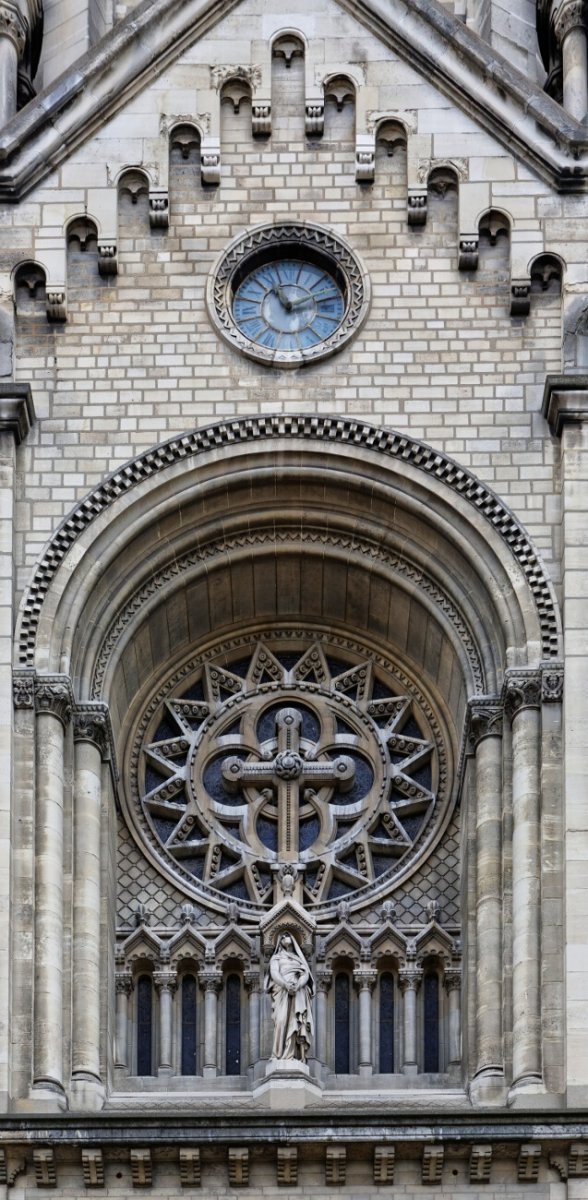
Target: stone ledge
(17, 412)
(565, 401)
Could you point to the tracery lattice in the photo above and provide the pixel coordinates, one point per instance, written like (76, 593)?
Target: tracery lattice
(288, 754)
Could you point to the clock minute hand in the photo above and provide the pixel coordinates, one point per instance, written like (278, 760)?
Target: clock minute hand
(282, 297)
(312, 296)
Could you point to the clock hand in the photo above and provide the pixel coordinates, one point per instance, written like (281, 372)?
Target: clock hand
(282, 297)
(311, 296)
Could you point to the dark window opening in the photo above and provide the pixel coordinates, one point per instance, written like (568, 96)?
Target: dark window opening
(144, 1025)
(431, 1003)
(233, 1025)
(387, 1024)
(188, 1025)
(342, 1024)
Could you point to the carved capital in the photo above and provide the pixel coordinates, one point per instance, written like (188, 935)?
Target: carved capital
(365, 978)
(53, 695)
(469, 245)
(570, 15)
(13, 26)
(159, 210)
(410, 979)
(552, 684)
(522, 689)
(323, 979)
(210, 981)
(23, 689)
(417, 207)
(56, 304)
(452, 981)
(485, 716)
(314, 120)
(107, 258)
(252, 981)
(165, 981)
(123, 982)
(261, 119)
(91, 723)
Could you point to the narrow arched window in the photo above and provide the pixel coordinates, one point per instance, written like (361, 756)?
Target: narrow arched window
(233, 1025)
(144, 1025)
(188, 1025)
(387, 1023)
(342, 1024)
(431, 1022)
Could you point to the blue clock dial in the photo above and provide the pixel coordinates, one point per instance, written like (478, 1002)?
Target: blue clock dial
(288, 305)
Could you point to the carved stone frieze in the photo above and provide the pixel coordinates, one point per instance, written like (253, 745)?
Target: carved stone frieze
(53, 695)
(250, 429)
(522, 689)
(23, 689)
(485, 717)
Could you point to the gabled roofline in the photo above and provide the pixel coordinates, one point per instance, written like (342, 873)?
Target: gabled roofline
(464, 68)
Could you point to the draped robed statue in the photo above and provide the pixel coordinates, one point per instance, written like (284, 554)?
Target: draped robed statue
(290, 984)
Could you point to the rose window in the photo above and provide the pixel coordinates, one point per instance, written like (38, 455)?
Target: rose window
(290, 755)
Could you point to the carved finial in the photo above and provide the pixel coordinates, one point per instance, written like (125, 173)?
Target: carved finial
(343, 910)
(388, 911)
(141, 915)
(187, 914)
(433, 910)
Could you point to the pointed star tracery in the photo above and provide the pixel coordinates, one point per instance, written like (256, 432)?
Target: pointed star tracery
(292, 758)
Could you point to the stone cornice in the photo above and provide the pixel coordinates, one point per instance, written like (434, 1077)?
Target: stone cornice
(565, 401)
(17, 412)
(439, 45)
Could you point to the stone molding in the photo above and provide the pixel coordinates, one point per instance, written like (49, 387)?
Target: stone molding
(565, 401)
(552, 684)
(17, 411)
(313, 428)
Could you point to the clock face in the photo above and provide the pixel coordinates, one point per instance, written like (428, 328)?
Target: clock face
(288, 305)
(288, 295)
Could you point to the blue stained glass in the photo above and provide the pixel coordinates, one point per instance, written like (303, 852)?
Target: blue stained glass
(233, 1025)
(342, 1024)
(431, 1005)
(267, 832)
(308, 833)
(214, 783)
(266, 726)
(188, 1025)
(144, 1025)
(387, 1024)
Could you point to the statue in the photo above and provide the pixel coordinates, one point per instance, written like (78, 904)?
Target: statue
(289, 981)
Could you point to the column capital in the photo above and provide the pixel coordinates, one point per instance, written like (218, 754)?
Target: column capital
(13, 26)
(452, 980)
(165, 981)
(91, 723)
(571, 14)
(552, 683)
(123, 982)
(17, 411)
(522, 689)
(252, 980)
(565, 401)
(365, 978)
(54, 695)
(409, 980)
(484, 719)
(210, 981)
(323, 979)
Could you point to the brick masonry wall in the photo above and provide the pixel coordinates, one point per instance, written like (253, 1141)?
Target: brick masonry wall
(438, 356)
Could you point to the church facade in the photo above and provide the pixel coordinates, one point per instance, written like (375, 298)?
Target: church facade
(294, 644)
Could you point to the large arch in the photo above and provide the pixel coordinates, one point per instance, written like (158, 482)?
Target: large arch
(336, 527)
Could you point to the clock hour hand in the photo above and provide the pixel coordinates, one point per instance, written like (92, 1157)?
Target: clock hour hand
(312, 296)
(282, 297)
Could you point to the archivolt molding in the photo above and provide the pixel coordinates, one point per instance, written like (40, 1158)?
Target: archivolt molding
(364, 547)
(331, 430)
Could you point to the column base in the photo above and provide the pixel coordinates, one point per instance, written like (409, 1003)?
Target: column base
(528, 1092)
(87, 1093)
(365, 1070)
(209, 1072)
(45, 1097)
(410, 1069)
(488, 1089)
(287, 1086)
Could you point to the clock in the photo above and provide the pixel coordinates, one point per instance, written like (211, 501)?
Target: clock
(287, 295)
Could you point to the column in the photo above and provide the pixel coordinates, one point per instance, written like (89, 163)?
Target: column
(53, 703)
(452, 985)
(485, 741)
(12, 45)
(91, 747)
(166, 983)
(253, 987)
(211, 982)
(16, 417)
(522, 704)
(565, 405)
(123, 983)
(410, 981)
(365, 980)
(570, 31)
(323, 983)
